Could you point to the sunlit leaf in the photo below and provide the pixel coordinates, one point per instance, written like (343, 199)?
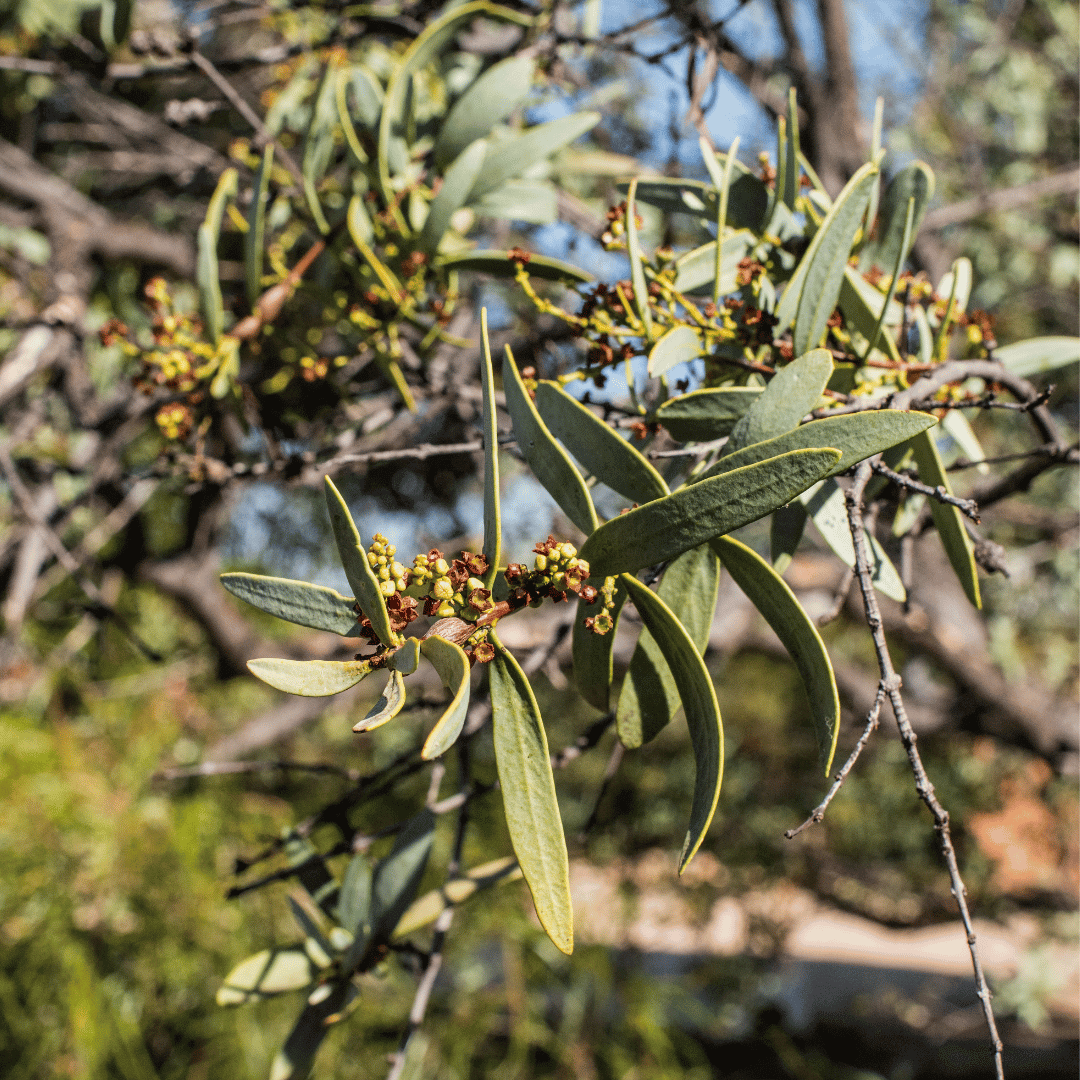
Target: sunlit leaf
(680, 345)
(791, 155)
(693, 515)
(704, 415)
(297, 602)
(861, 305)
(206, 273)
(502, 264)
(319, 144)
(770, 594)
(457, 183)
(310, 678)
(312, 872)
(254, 238)
(534, 201)
(637, 272)
(748, 198)
(267, 973)
(649, 696)
(699, 703)
(609, 457)
(696, 270)
(389, 704)
(354, 909)
(1027, 358)
(954, 425)
(914, 181)
(529, 801)
(492, 513)
(450, 661)
(546, 458)
(592, 653)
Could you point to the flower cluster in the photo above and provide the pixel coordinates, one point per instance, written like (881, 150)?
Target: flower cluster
(556, 571)
(603, 622)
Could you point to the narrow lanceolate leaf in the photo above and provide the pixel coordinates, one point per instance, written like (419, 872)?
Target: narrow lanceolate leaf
(862, 307)
(406, 659)
(914, 181)
(529, 801)
(213, 309)
(792, 392)
(650, 696)
(319, 144)
(785, 531)
(699, 703)
(827, 510)
(312, 873)
(855, 435)
(510, 157)
(253, 238)
(389, 704)
(956, 285)
(901, 256)
(696, 270)
(593, 653)
(426, 909)
(450, 661)
(310, 678)
(748, 198)
(294, 1060)
(770, 594)
(417, 56)
(926, 335)
(1027, 358)
(297, 602)
(397, 877)
(362, 579)
(791, 154)
(534, 201)
(704, 415)
(721, 178)
(693, 515)
(609, 457)
(948, 520)
(503, 264)
(680, 345)
(457, 183)
(492, 513)
(267, 973)
(637, 273)
(811, 294)
(491, 98)
(955, 426)
(546, 458)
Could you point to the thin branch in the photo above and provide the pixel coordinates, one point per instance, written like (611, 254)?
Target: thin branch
(891, 683)
(839, 599)
(966, 506)
(229, 768)
(1010, 198)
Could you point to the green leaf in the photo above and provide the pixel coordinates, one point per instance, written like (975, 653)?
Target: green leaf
(389, 704)
(693, 515)
(492, 513)
(637, 273)
(368, 94)
(826, 508)
(785, 532)
(510, 157)
(456, 186)
(954, 426)
(592, 653)
(502, 264)
(956, 285)
(546, 458)
(358, 222)
(769, 593)
(450, 661)
(213, 309)
(696, 270)
(861, 305)
(1027, 358)
(397, 877)
(491, 98)
(704, 415)
(926, 335)
(297, 602)
(405, 659)
(721, 178)
(417, 56)
(310, 678)
(319, 145)
(529, 801)
(312, 873)
(427, 908)
(791, 155)
(901, 255)
(266, 974)
(534, 201)
(294, 1060)
(354, 900)
(812, 292)
(855, 435)
(948, 520)
(792, 392)
(914, 181)
(699, 703)
(362, 579)
(650, 697)
(680, 345)
(748, 198)
(604, 453)
(254, 238)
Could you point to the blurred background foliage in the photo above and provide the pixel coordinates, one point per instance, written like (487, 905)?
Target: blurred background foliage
(114, 923)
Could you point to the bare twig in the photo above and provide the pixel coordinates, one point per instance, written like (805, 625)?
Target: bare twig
(839, 599)
(966, 506)
(1065, 182)
(891, 683)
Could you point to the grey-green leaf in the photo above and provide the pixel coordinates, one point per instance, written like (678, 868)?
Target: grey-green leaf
(534, 201)
(770, 594)
(637, 272)
(948, 520)
(693, 515)
(297, 602)
(267, 973)
(529, 800)
(503, 264)
(207, 277)
(699, 703)
(389, 704)
(253, 238)
(861, 305)
(680, 345)
(704, 415)
(748, 198)
(310, 678)
(492, 513)
(491, 98)
(457, 183)
(792, 392)
(311, 871)
(450, 661)
(696, 270)
(546, 458)
(609, 457)
(914, 181)
(785, 531)
(294, 1060)
(362, 579)
(397, 877)
(1027, 358)
(649, 696)
(855, 435)
(592, 653)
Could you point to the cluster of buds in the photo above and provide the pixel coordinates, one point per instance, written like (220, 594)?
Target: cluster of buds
(175, 420)
(603, 622)
(556, 572)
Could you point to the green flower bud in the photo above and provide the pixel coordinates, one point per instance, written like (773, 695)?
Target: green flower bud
(387, 588)
(446, 610)
(397, 569)
(541, 563)
(442, 567)
(442, 589)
